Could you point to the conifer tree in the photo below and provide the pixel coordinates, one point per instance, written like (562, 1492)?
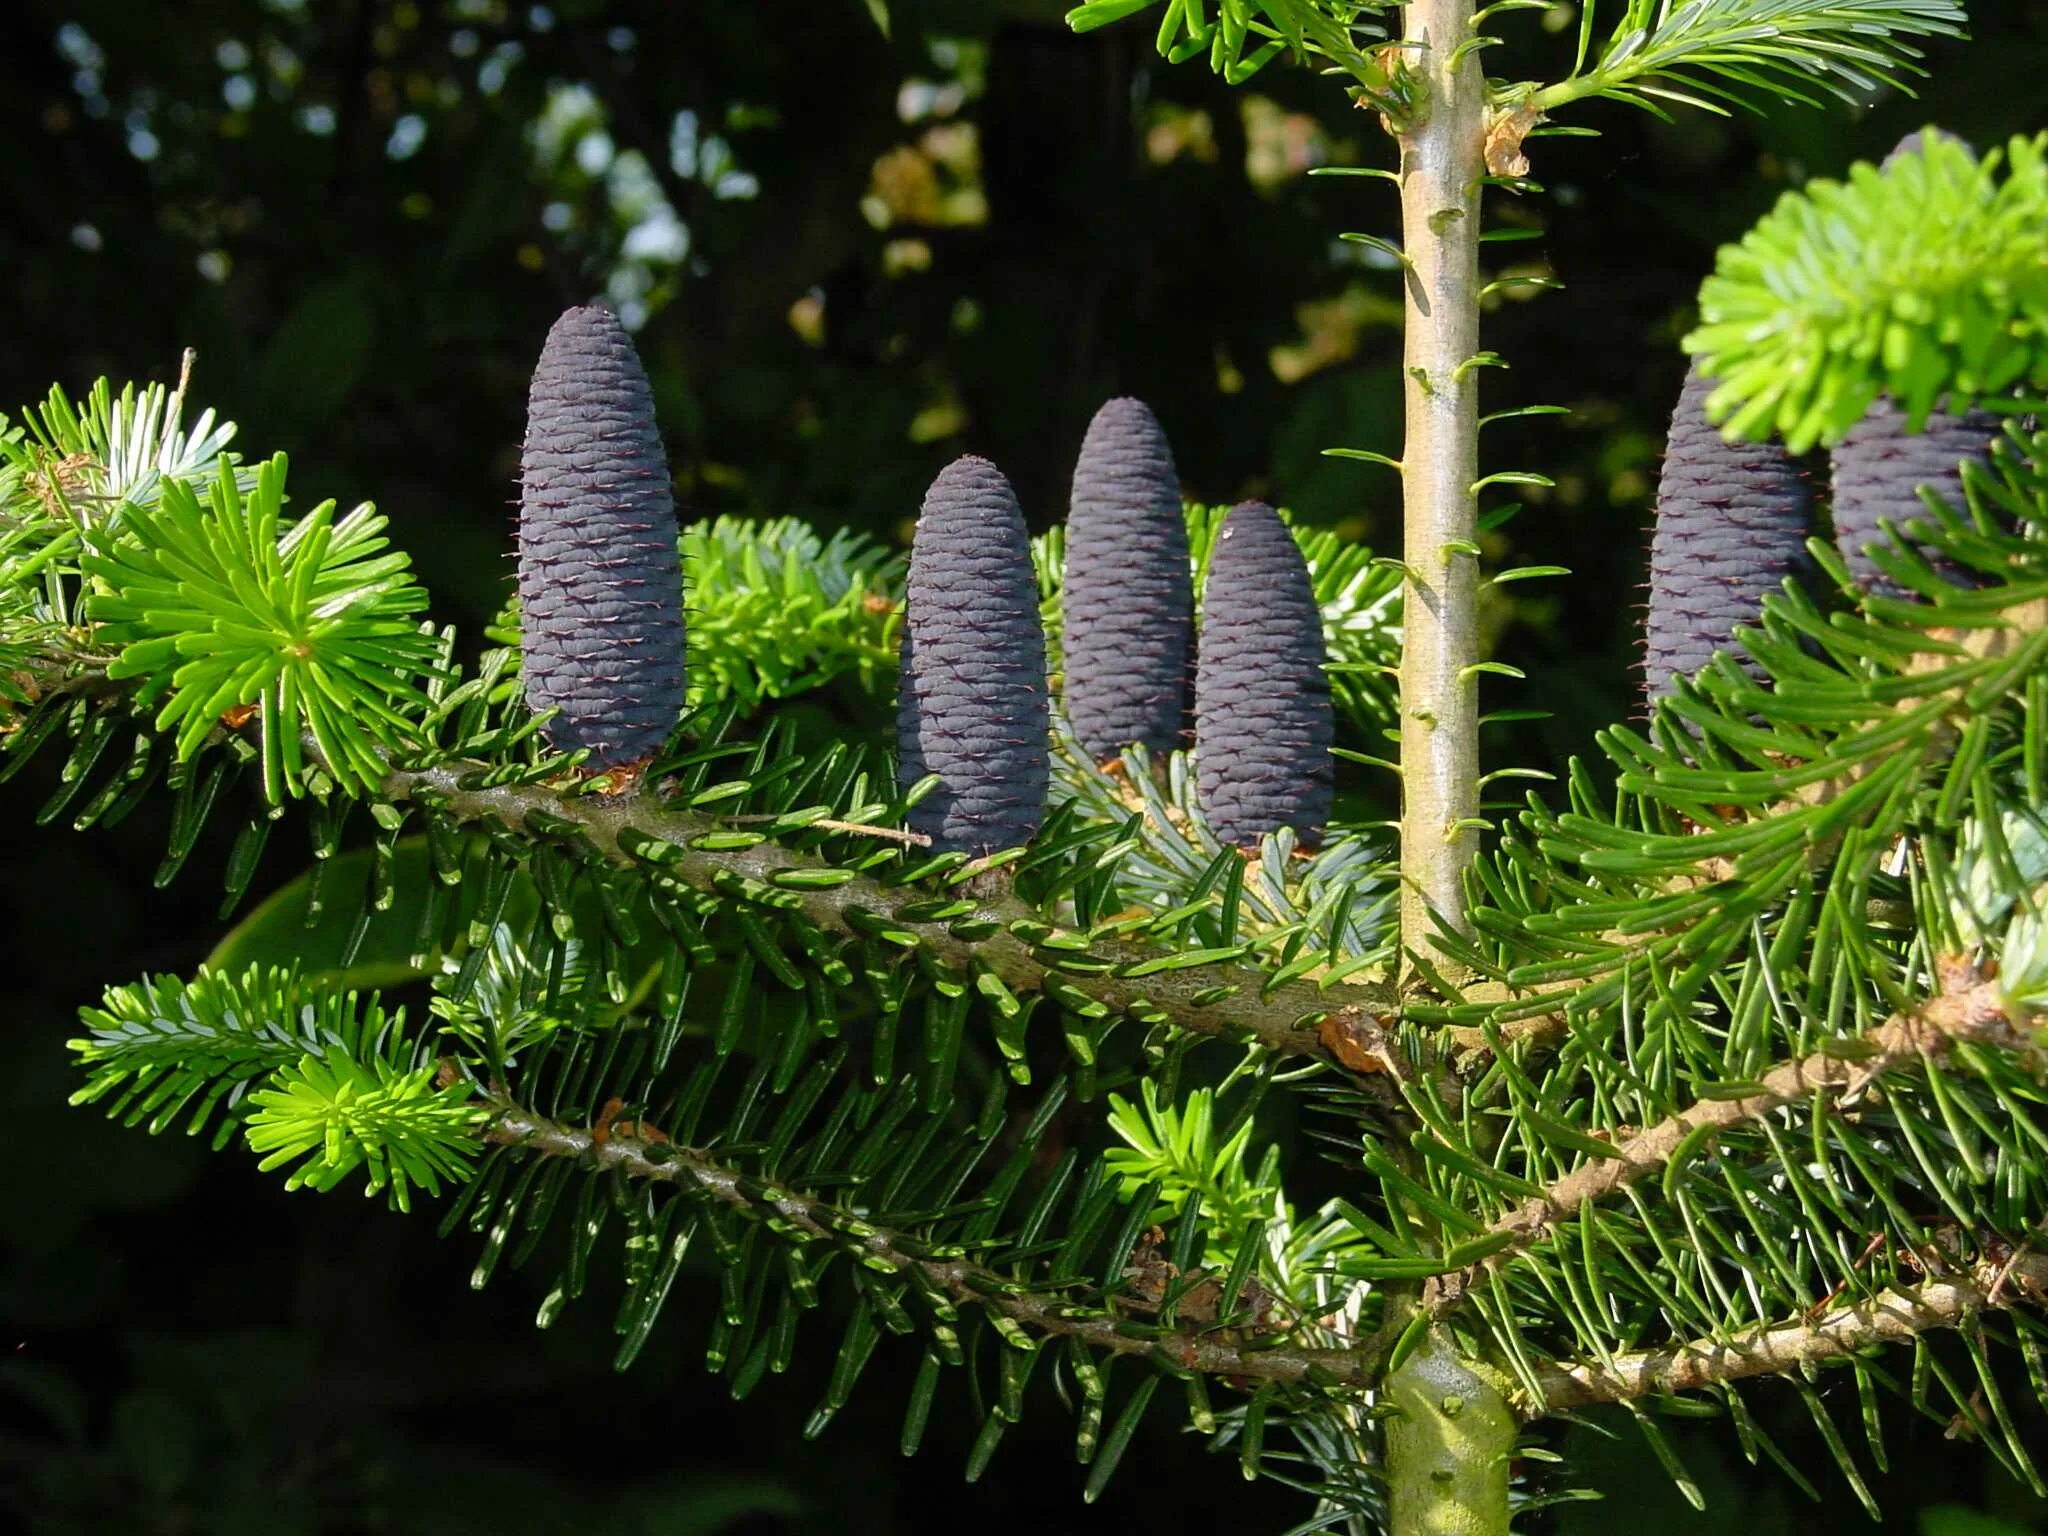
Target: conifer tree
(1721, 1073)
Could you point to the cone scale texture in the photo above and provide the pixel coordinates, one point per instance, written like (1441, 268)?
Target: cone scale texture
(1263, 727)
(1128, 599)
(600, 577)
(1880, 469)
(971, 700)
(1732, 522)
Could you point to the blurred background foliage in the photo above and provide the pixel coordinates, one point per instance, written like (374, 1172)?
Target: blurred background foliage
(848, 257)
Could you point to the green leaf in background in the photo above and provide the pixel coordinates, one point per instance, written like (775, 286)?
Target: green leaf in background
(326, 948)
(1954, 1520)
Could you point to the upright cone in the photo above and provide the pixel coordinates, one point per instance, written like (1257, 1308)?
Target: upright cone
(600, 578)
(1732, 523)
(971, 702)
(1127, 604)
(1880, 468)
(1263, 727)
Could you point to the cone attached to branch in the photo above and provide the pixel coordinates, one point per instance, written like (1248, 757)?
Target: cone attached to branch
(1263, 726)
(1732, 523)
(1128, 601)
(971, 703)
(600, 578)
(1880, 468)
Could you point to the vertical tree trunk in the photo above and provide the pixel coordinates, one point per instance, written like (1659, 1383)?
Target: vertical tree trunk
(1448, 1444)
(1442, 159)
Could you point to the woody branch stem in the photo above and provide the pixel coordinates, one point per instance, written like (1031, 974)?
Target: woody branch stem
(1442, 161)
(1284, 1018)
(1889, 1317)
(1042, 1312)
(1964, 1011)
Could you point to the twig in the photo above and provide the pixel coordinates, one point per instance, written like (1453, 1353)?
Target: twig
(1965, 1010)
(2020, 630)
(1212, 1353)
(1284, 1019)
(851, 828)
(1889, 1317)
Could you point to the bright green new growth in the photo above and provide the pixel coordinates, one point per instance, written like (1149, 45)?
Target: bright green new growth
(1923, 281)
(342, 1084)
(777, 610)
(220, 606)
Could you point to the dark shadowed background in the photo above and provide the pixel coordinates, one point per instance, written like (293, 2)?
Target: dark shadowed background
(848, 258)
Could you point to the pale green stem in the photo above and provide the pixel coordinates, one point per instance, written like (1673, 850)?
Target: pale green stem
(1442, 161)
(1448, 1442)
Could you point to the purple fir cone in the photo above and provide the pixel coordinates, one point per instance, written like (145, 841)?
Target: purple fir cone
(971, 702)
(1880, 471)
(1128, 601)
(1732, 522)
(1262, 702)
(600, 578)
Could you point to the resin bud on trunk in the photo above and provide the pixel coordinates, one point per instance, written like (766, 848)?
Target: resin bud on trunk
(971, 703)
(1263, 727)
(600, 576)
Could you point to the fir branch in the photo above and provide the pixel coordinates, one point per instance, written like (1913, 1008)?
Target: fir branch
(1987, 1284)
(1950, 648)
(1042, 1312)
(1964, 1010)
(1282, 1017)
(1713, 51)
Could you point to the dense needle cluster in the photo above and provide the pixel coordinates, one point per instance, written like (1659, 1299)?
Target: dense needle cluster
(1262, 702)
(971, 702)
(1732, 521)
(600, 575)
(1128, 604)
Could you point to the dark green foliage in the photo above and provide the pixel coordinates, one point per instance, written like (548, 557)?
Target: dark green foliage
(971, 703)
(728, 1033)
(1262, 704)
(600, 580)
(1128, 598)
(1673, 937)
(1732, 522)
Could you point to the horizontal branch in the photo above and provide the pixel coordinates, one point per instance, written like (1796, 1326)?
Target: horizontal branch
(1284, 1019)
(1950, 648)
(1948, 1300)
(1890, 1317)
(1041, 1312)
(1964, 1010)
